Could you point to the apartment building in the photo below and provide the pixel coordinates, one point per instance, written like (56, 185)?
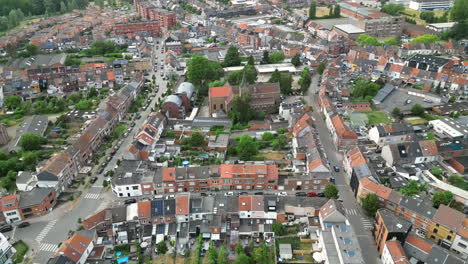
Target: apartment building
(152, 27)
(421, 5)
(389, 227)
(6, 250)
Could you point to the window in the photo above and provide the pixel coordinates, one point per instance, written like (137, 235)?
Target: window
(135, 188)
(449, 237)
(435, 231)
(462, 245)
(128, 188)
(214, 106)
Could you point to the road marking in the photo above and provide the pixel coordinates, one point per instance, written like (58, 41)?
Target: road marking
(96, 185)
(48, 247)
(46, 230)
(351, 211)
(366, 223)
(94, 196)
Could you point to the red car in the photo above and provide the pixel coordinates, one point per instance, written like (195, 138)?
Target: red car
(311, 194)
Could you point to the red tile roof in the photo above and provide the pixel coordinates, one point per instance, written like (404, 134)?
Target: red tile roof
(341, 129)
(245, 203)
(419, 243)
(397, 252)
(182, 204)
(144, 209)
(74, 247)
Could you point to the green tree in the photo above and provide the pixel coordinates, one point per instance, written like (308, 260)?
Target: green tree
(331, 192)
(217, 83)
(246, 148)
(286, 83)
(251, 60)
(198, 71)
(30, 158)
(222, 256)
(197, 139)
(276, 57)
(239, 249)
(396, 113)
(337, 11)
(267, 136)
(459, 31)
(63, 8)
(265, 57)
(232, 57)
(162, 247)
(260, 254)
(296, 60)
(312, 9)
(278, 229)
(458, 181)
(436, 172)
(242, 259)
(428, 38)
(305, 79)
(370, 203)
(392, 9)
(275, 77)
(211, 255)
(321, 68)
(84, 105)
(235, 77)
(417, 110)
(364, 90)
(12, 102)
(441, 197)
(31, 141)
(241, 109)
(411, 188)
(365, 39)
(250, 74)
(279, 143)
(459, 11)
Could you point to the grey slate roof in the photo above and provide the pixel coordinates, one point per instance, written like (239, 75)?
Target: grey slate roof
(33, 197)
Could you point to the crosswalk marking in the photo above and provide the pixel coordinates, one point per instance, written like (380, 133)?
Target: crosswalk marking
(94, 196)
(46, 230)
(48, 247)
(366, 223)
(351, 211)
(97, 185)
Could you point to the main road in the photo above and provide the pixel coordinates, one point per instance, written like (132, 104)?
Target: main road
(45, 233)
(359, 221)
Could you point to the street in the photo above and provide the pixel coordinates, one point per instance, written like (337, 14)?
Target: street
(361, 223)
(45, 233)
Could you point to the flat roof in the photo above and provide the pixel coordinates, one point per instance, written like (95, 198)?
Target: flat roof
(350, 29)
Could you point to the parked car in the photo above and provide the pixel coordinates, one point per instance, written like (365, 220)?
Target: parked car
(203, 194)
(5, 228)
(321, 194)
(130, 201)
(336, 168)
(312, 194)
(228, 194)
(301, 194)
(243, 193)
(101, 170)
(282, 194)
(93, 180)
(24, 224)
(258, 193)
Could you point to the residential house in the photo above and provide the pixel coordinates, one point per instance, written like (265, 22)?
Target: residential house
(394, 133)
(78, 247)
(37, 202)
(389, 227)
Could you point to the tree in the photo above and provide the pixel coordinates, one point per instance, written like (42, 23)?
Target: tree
(337, 11)
(232, 57)
(428, 38)
(242, 259)
(441, 197)
(276, 57)
(84, 105)
(417, 110)
(459, 31)
(280, 142)
(370, 203)
(286, 83)
(305, 79)
(241, 109)
(312, 10)
(392, 9)
(275, 76)
(246, 148)
(211, 255)
(250, 73)
(321, 68)
(31, 141)
(239, 249)
(331, 192)
(260, 254)
(296, 60)
(217, 83)
(365, 39)
(31, 50)
(63, 8)
(267, 136)
(396, 113)
(222, 256)
(278, 229)
(30, 158)
(197, 140)
(12, 102)
(201, 71)
(411, 189)
(235, 77)
(251, 60)
(265, 57)
(162, 247)
(459, 10)
(364, 90)
(458, 181)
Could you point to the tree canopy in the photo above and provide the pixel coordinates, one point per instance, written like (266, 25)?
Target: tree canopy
(417, 110)
(241, 111)
(232, 57)
(305, 79)
(312, 9)
(31, 141)
(428, 38)
(459, 11)
(412, 188)
(246, 148)
(331, 192)
(321, 68)
(276, 57)
(370, 203)
(296, 60)
(393, 9)
(364, 90)
(201, 71)
(441, 197)
(12, 102)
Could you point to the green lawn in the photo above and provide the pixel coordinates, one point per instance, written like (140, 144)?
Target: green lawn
(376, 117)
(21, 249)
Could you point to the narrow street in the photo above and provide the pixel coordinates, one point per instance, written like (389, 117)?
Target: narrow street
(45, 233)
(361, 223)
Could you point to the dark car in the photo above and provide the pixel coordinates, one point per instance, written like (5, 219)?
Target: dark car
(5, 228)
(301, 194)
(258, 193)
(101, 170)
(93, 180)
(321, 194)
(336, 168)
(130, 201)
(244, 193)
(24, 224)
(203, 194)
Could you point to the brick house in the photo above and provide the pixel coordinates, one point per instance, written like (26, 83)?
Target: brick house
(37, 202)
